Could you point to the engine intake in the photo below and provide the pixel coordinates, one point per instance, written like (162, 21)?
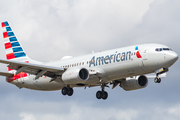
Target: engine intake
(134, 83)
(84, 74)
(75, 75)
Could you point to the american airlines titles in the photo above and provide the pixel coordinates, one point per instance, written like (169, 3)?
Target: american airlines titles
(117, 57)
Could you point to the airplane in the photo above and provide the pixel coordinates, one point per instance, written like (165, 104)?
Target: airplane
(127, 67)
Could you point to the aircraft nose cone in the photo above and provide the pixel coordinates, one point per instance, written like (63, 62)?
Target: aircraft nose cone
(173, 57)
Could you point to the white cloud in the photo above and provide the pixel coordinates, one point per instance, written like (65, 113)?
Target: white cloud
(76, 111)
(26, 116)
(175, 111)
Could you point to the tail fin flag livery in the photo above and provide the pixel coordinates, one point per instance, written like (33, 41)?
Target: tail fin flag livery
(126, 67)
(12, 45)
(14, 51)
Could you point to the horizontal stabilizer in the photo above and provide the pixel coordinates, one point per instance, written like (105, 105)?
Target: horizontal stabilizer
(6, 74)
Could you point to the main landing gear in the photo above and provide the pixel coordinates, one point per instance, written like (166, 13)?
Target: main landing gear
(67, 91)
(102, 94)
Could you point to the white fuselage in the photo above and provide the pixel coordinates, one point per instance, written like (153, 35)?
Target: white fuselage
(109, 65)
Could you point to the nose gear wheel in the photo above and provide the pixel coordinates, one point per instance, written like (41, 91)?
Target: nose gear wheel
(157, 80)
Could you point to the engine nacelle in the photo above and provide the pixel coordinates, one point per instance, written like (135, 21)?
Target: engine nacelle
(134, 83)
(75, 75)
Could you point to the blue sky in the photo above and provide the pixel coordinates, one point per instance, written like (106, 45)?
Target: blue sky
(49, 30)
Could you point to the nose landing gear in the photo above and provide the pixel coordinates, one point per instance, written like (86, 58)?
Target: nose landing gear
(161, 71)
(157, 80)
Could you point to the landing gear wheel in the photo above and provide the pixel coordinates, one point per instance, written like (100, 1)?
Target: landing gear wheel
(70, 92)
(64, 90)
(104, 95)
(99, 95)
(157, 80)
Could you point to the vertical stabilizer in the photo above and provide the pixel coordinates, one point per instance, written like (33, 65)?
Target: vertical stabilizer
(13, 48)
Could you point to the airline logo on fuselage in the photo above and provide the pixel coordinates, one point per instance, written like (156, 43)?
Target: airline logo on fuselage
(110, 58)
(117, 57)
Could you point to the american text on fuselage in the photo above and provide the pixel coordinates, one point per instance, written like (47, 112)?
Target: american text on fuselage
(110, 58)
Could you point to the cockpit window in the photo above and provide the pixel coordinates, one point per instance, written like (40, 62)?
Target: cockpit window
(163, 49)
(167, 49)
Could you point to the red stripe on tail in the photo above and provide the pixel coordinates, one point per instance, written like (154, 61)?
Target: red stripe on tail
(10, 56)
(3, 25)
(8, 45)
(5, 35)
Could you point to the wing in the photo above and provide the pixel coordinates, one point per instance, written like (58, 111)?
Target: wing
(34, 69)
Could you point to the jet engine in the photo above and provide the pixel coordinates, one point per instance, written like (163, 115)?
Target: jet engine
(75, 75)
(134, 83)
